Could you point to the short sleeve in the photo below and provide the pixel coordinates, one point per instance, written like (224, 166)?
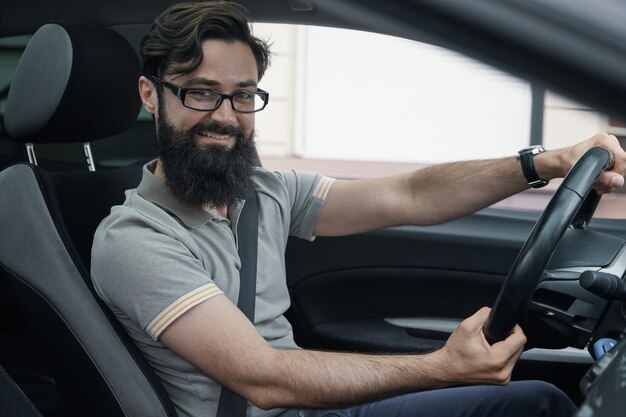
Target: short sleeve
(148, 272)
(307, 193)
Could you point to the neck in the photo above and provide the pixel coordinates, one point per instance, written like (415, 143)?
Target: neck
(217, 211)
(158, 171)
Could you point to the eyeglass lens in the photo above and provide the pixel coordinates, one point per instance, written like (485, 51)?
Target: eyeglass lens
(210, 100)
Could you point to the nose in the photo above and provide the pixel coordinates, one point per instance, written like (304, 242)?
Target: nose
(224, 114)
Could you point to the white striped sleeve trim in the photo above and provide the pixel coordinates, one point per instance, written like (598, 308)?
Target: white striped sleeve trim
(180, 307)
(323, 187)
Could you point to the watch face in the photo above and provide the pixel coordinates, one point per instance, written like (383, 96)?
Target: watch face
(534, 149)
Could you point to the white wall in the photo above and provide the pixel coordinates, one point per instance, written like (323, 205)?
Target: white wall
(567, 122)
(275, 124)
(374, 97)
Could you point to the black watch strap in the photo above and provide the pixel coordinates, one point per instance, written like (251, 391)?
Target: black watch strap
(527, 160)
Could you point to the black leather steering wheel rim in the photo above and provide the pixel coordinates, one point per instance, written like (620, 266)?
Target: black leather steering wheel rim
(572, 205)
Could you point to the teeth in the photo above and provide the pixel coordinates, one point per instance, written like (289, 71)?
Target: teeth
(214, 135)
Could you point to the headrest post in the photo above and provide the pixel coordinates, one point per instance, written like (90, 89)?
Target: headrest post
(89, 157)
(30, 151)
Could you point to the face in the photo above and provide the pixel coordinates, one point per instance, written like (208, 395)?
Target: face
(225, 67)
(206, 158)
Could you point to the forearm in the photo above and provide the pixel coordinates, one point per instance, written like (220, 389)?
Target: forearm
(313, 379)
(429, 195)
(443, 192)
(477, 184)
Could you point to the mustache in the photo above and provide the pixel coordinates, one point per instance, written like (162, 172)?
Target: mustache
(222, 130)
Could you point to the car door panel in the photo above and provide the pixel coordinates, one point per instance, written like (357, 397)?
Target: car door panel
(353, 292)
(345, 299)
(446, 271)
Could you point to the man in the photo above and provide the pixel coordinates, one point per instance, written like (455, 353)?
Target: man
(166, 261)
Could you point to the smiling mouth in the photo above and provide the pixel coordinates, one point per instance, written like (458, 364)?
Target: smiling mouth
(212, 137)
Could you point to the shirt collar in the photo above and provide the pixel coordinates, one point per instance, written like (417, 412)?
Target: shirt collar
(153, 189)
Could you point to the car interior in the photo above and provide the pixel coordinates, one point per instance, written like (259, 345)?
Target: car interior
(402, 289)
(91, 359)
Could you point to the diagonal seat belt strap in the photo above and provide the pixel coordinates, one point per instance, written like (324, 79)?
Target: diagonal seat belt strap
(248, 237)
(232, 404)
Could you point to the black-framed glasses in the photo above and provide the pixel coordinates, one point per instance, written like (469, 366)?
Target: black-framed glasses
(204, 99)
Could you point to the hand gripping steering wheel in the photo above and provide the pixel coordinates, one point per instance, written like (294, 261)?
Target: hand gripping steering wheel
(572, 205)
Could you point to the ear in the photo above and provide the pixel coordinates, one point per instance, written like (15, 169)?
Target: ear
(148, 94)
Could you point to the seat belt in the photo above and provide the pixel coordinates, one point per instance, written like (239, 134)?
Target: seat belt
(230, 403)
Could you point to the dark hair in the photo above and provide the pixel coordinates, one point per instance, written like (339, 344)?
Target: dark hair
(174, 43)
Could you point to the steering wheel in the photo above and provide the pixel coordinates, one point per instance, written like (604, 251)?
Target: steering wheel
(572, 205)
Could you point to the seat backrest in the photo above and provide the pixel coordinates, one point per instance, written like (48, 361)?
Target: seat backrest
(13, 402)
(74, 83)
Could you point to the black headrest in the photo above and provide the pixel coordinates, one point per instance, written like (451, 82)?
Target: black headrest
(74, 83)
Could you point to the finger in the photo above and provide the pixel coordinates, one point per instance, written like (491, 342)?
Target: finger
(513, 344)
(608, 182)
(611, 179)
(618, 158)
(478, 319)
(517, 354)
(615, 180)
(518, 334)
(618, 155)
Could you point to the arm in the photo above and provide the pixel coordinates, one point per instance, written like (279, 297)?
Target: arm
(439, 193)
(216, 338)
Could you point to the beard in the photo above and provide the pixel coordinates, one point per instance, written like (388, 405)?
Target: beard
(205, 175)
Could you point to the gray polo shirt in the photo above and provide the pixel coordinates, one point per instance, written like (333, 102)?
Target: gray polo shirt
(154, 258)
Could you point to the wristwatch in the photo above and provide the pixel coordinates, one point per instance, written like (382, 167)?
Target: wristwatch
(526, 157)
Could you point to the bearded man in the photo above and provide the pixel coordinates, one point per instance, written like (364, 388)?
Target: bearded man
(166, 261)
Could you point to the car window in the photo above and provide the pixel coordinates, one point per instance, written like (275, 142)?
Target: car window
(369, 97)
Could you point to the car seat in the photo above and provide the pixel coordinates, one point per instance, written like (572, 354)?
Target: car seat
(74, 83)
(13, 402)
